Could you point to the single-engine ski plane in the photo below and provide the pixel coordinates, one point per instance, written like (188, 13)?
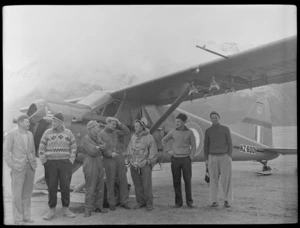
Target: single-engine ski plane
(157, 100)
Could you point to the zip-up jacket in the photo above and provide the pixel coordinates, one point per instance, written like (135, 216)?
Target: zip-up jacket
(142, 149)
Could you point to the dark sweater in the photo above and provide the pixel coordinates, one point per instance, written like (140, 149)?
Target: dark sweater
(217, 141)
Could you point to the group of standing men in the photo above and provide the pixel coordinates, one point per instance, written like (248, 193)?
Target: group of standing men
(104, 162)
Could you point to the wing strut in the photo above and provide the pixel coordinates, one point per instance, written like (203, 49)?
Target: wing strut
(213, 52)
(176, 103)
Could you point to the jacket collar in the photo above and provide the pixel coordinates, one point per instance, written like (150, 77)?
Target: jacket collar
(59, 129)
(93, 137)
(184, 128)
(142, 133)
(216, 125)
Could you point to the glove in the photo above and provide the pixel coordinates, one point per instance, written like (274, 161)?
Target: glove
(206, 178)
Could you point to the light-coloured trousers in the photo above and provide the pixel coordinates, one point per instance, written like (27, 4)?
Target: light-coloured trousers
(22, 187)
(220, 167)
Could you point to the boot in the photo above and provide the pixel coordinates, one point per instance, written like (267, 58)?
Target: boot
(87, 213)
(50, 214)
(68, 213)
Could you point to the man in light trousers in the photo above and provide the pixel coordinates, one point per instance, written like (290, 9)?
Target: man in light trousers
(19, 154)
(218, 158)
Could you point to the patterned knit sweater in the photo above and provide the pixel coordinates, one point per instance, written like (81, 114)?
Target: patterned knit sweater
(57, 144)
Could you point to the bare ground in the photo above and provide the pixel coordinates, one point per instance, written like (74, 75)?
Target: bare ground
(257, 199)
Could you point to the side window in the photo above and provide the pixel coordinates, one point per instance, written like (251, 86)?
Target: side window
(112, 108)
(99, 111)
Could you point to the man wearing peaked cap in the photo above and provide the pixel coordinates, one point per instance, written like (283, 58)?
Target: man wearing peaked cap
(218, 158)
(93, 170)
(57, 152)
(113, 135)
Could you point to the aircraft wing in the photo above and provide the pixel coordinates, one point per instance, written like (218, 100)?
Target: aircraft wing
(271, 63)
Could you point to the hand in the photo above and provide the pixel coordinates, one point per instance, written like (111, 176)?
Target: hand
(192, 157)
(118, 122)
(170, 152)
(43, 160)
(72, 160)
(114, 154)
(101, 146)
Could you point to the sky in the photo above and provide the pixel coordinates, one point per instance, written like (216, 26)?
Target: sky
(93, 43)
(144, 40)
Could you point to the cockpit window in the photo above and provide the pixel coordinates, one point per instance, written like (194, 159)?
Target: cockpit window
(112, 108)
(99, 111)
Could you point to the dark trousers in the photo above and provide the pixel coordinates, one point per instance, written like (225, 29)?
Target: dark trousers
(116, 168)
(94, 182)
(58, 170)
(182, 165)
(143, 185)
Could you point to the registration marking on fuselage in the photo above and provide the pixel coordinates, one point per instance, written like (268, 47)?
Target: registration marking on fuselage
(247, 149)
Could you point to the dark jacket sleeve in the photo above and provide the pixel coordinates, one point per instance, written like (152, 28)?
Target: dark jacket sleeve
(107, 152)
(206, 145)
(122, 130)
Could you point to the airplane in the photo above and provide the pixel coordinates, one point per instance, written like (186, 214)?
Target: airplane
(157, 100)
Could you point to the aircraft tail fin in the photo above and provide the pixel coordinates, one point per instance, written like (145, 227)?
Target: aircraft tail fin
(259, 113)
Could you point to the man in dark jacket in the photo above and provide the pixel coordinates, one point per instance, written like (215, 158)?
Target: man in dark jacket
(218, 158)
(113, 159)
(93, 170)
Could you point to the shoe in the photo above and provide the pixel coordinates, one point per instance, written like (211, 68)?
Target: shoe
(28, 220)
(138, 206)
(125, 206)
(87, 214)
(150, 208)
(68, 213)
(190, 205)
(50, 214)
(19, 223)
(112, 208)
(226, 204)
(215, 204)
(101, 210)
(176, 206)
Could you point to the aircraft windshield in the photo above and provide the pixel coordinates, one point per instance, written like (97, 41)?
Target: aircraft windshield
(95, 99)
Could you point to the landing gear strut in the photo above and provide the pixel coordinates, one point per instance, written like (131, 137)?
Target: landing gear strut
(266, 170)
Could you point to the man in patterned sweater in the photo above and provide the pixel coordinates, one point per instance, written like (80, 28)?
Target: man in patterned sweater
(57, 152)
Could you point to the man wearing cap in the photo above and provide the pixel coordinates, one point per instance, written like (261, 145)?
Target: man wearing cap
(93, 170)
(142, 153)
(184, 148)
(57, 152)
(218, 158)
(19, 155)
(113, 160)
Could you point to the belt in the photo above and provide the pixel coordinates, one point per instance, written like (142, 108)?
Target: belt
(218, 154)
